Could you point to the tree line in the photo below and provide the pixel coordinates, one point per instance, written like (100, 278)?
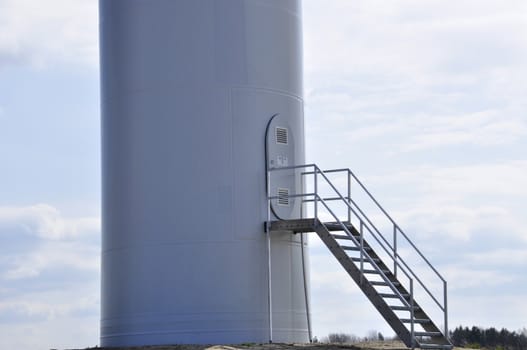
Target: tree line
(489, 338)
(345, 338)
(475, 338)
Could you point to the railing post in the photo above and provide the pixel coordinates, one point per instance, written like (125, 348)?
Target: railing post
(302, 190)
(349, 197)
(445, 306)
(412, 312)
(267, 231)
(361, 251)
(268, 200)
(395, 250)
(269, 286)
(315, 170)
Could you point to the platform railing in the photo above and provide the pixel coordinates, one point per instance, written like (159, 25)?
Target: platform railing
(388, 241)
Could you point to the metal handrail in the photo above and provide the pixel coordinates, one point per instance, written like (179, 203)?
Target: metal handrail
(363, 251)
(354, 240)
(362, 223)
(388, 216)
(323, 200)
(355, 204)
(365, 222)
(397, 229)
(395, 224)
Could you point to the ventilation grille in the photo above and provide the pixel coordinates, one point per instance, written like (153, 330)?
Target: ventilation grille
(283, 196)
(281, 135)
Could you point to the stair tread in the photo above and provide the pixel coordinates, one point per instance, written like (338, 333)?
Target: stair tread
(402, 308)
(338, 226)
(385, 295)
(428, 334)
(382, 283)
(376, 271)
(365, 260)
(416, 320)
(341, 237)
(335, 236)
(346, 247)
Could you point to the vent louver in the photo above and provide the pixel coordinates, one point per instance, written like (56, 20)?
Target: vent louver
(281, 135)
(283, 196)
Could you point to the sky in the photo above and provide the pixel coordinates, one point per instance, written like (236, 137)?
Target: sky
(426, 101)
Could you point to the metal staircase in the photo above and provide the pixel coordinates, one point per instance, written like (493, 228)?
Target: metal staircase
(377, 257)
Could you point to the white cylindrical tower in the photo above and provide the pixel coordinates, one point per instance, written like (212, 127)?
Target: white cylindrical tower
(188, 89)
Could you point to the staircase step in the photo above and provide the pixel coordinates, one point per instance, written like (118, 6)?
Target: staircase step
(376, 271)
(402, 308)
(341, 237)
(428, 334)
(345, 247)
(416, 320)
(382, 283)
(335, 226)
(365, 260)
(354, 248)
(344, 243)
(394, 296)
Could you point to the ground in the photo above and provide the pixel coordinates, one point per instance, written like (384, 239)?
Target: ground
(371, 345)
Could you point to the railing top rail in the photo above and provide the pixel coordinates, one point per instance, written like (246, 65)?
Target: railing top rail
(372, 197)
(289, 167)
(327, 171)
(420, 254)
(371, 261)
(395, 225)
(404, 268)
(323, 174)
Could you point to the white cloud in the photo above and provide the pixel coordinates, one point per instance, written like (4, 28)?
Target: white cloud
(457, 182)
(64, 255)
(486, 128)
(426, 102)
(470, 278)
(413, 76)
(457, 201)
(403, 36)
(38, 306)
(453, 201)
(57, 242)
(502, 310)
(500, 257)
(49, 273)
(46, 222)
(424, 132)
(48, 32)
(62, 318)
(456, 222)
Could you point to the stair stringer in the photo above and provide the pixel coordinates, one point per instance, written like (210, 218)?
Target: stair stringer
(326, 233)
(419, 313)
(371, 293)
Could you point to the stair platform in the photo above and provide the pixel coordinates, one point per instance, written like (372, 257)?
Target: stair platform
(296, 225)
